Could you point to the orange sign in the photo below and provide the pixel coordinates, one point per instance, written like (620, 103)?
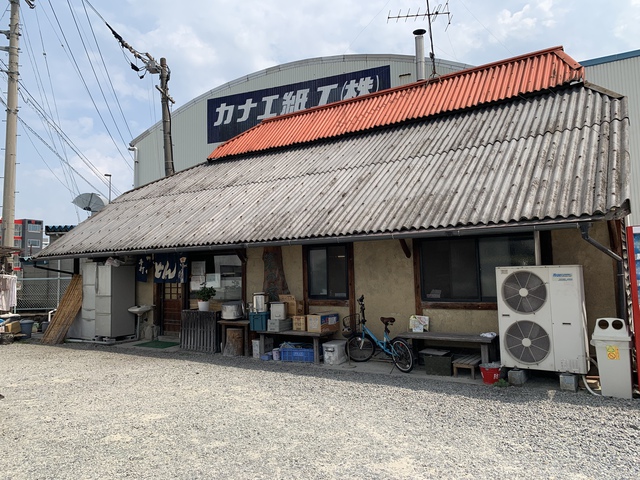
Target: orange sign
(612, 352)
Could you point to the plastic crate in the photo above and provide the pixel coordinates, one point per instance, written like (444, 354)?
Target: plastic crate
(258, 321)
(296, 354)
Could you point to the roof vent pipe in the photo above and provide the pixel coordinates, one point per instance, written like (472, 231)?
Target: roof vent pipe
(420, 64)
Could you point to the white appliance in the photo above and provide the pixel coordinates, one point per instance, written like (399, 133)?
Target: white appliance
(542, 318)
(115, 293)
(107, 294)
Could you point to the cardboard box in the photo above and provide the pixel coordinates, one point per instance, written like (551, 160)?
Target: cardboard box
(323, 322)
(290, 301)
(11, 327)
(299, 323)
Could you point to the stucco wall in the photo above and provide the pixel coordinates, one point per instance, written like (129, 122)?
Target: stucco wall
(598, 268)
(384, 275)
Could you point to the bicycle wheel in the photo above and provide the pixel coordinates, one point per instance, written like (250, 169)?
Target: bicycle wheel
(402, 355)
(360, 348)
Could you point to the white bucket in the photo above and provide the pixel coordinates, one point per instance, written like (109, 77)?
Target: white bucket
(276, 353)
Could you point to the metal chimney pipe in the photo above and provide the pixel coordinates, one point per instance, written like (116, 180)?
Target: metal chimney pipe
(420, 64)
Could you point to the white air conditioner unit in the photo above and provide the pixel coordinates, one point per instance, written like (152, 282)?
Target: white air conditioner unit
(542, 318)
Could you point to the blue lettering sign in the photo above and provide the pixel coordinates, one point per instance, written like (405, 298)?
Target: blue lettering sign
(231, 115)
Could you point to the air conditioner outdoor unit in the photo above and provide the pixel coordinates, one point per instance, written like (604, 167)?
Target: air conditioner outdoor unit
(542, 318)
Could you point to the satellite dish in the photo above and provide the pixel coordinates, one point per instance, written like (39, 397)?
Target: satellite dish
(91, 202)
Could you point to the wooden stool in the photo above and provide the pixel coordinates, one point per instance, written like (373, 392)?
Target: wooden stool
(468, 361)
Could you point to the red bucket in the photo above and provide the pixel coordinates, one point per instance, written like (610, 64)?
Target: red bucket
(490, 375)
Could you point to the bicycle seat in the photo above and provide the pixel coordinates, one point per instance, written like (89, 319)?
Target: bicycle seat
(387, 320)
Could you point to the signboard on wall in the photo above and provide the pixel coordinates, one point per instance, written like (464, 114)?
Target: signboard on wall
(633, 245)
(231, 115)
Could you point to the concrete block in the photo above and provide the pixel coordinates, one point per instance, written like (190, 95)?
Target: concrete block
(569, 382)
(517, 377)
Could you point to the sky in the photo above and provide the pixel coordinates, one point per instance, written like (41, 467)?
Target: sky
(81, 103)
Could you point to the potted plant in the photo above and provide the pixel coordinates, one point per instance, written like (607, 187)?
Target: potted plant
(204, 295)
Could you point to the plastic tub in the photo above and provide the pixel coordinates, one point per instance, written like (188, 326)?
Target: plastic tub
(26, 327)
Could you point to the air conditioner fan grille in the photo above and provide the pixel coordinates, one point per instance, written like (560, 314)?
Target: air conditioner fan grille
(527, 342)
(524, 292)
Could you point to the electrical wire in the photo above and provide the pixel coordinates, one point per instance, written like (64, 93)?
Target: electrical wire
(95, 75)
(115, 95)
(79, 72)
(51, 124)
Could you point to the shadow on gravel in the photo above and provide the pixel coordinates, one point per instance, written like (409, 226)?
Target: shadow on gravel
(541, 386)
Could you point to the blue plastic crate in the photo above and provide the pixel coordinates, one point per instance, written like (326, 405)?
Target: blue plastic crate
(296, 354)
(258, 321)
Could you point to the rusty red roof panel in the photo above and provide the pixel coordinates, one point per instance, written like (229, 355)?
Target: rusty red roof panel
(537, 71)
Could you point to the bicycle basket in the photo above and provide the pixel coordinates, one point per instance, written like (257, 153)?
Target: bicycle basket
(351, 324)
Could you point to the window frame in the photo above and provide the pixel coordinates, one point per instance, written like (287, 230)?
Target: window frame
(328, 301)
(474, 304)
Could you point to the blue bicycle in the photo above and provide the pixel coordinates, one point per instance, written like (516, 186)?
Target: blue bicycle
(362, 343)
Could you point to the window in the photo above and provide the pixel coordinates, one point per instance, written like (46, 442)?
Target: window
(17, 229)
(464, 269)
(224, 272)
(34, 227)
(33, 243)
(328, 272)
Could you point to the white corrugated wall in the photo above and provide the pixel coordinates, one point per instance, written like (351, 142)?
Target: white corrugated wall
(620, 74)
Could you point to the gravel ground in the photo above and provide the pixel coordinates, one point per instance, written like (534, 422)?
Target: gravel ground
(86, 412)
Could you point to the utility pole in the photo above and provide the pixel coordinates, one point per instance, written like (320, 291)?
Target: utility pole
(9, 192)
(166, 117)
(151, 66)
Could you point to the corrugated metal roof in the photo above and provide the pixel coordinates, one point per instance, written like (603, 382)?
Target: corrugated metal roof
(490, 83)
(555, 156)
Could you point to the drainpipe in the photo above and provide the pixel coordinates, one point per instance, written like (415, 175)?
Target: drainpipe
(420, 66)
(622, 304)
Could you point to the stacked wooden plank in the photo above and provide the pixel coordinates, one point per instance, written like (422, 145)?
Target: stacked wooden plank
(68, 309)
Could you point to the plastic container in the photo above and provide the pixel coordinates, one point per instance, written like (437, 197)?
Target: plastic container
(276, 354)
(304, 355)
(258, 321)
(278, 310)
(26, 328)
(334, 352)
(490, 372)
(266, 356)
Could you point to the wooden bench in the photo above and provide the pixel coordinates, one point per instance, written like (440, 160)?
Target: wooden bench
(467, 361)
(485, 343)
(297, 333)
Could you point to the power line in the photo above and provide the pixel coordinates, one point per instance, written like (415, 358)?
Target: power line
(115, 96)
(95, 75)
(79, 72)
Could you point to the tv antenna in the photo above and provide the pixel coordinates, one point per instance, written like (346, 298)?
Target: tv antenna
(432, 16)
